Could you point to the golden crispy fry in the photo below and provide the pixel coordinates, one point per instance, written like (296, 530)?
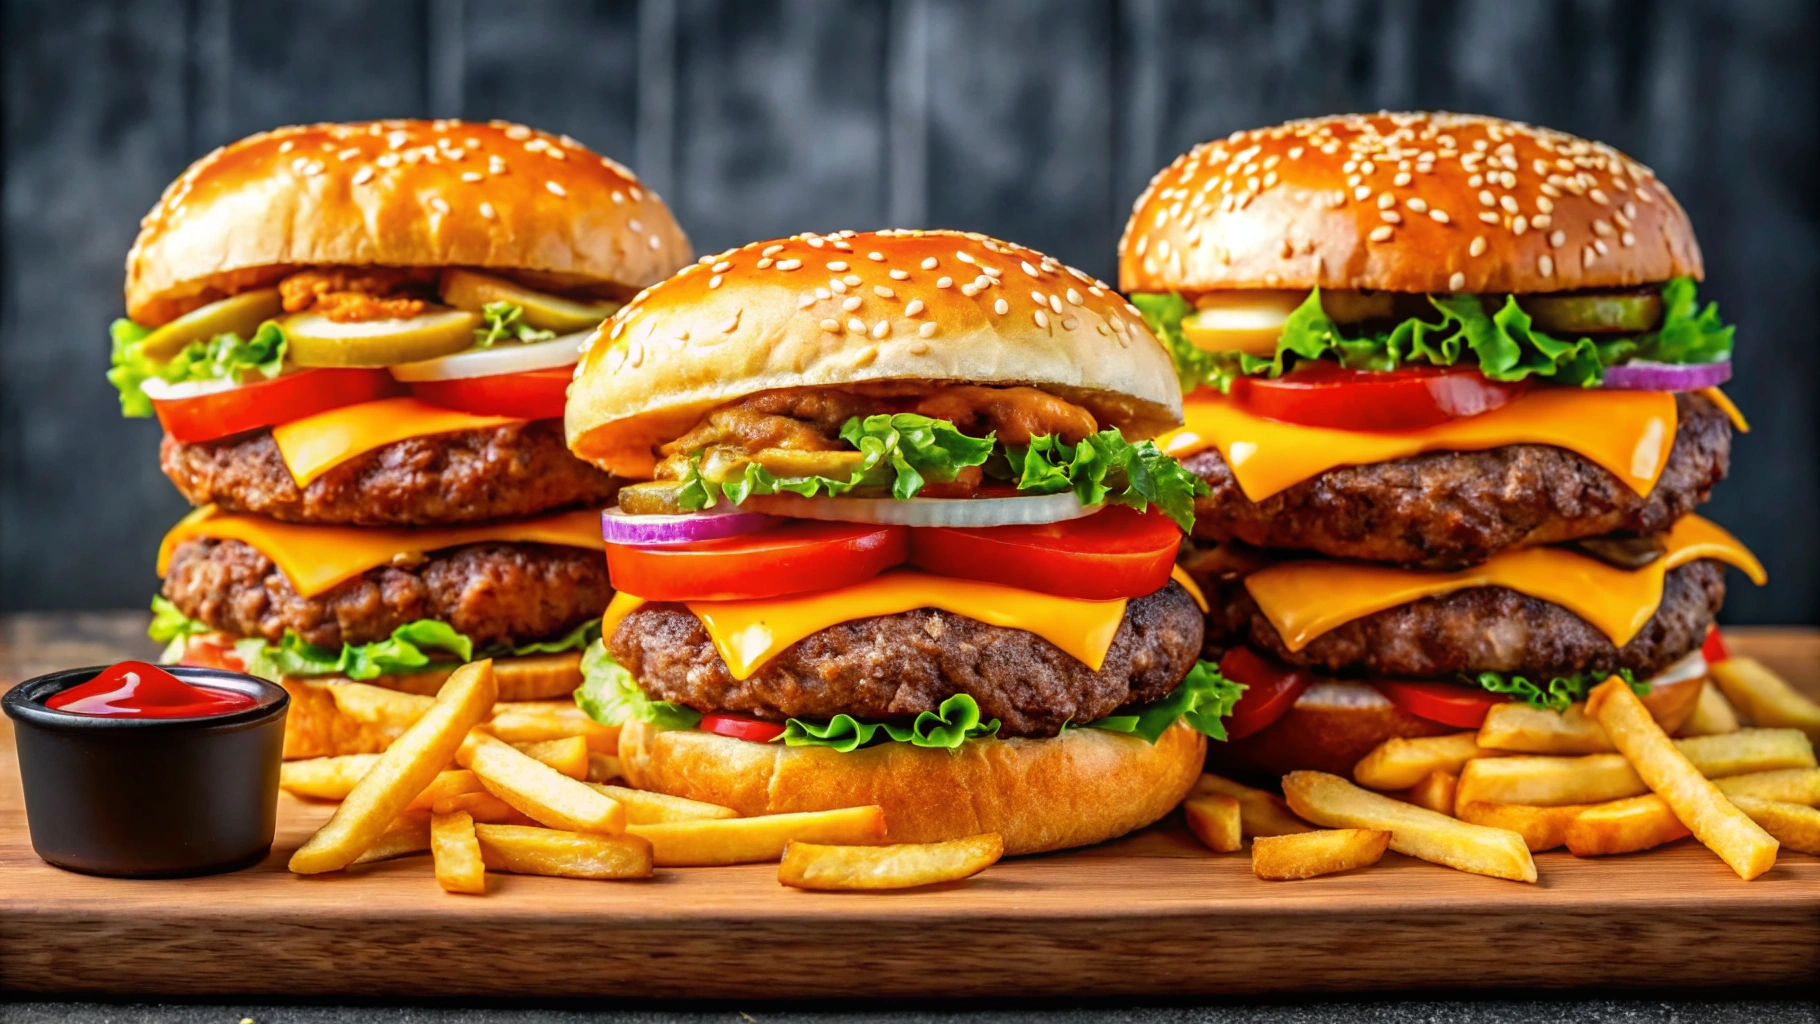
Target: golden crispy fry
(682, 844)
(1214, 820)
(538, 790)
(389, 711)
(1623, 826)
(1436, 792)
(1261, 812)
(1522, 729)
(1713, 714)
(407, 834)
(1725, 830)
(448, 783)
(903, 866)
(644, 807)
(1787, 786)
(457, 852)
(483, 807)
(1399, 763)
(1795, 826)
(402, 772)
(602, 767)
(1764, 697)
(1748, 750)
(1415, 831)
(325, 778)
(1542, 828)
(535, 721)
(568, 755)
(1307, 854)
(1544, 781)
(543, 851)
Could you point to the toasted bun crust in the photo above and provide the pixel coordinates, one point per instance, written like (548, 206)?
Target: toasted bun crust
(1083, 787)
(399, 193)
(1407, 203)
(813, 310)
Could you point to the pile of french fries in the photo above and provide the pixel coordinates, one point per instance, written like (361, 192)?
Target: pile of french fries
(527, 788)
(1601, 778)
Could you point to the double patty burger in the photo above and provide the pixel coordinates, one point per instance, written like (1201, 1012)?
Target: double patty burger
(1455, 402)
(898, 541)
(357, 339)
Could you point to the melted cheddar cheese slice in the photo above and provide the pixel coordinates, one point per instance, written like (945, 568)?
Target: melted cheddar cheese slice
(316, 558)
(316, 444)
(1304, 599)
(1627, 432)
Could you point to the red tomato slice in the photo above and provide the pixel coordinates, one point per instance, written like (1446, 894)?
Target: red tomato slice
(741, 727)
(267, 403)
(531, 395)
(1270, 691)
(1321, 393)
(794, 558)
(201, 653)
(1455, 704)
(1714, 650)
(1114, 553)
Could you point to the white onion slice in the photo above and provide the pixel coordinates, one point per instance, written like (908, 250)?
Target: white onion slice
(1027, 510)
(510, 357)
(1691, 667)
(646, 531)
(160, 390)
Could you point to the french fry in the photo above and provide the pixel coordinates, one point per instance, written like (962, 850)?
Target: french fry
(1623, 826)
(1764, 697)
(568, 755)
(1542, 828)
(1725, 830)
(1400, 763)
(1545, 781)
(1415, 831)
(1214, 820)
(483, 807)
(402, 772)
(1436, 792)
(682, 844)
(457, 853)
(325, 778)
(1712, 715)
(385, 710)
(1795, 826)
(1787, 786)
(1520, 728)
(901, 866)
(407, 834)
(448, 783)
(1307, 854)
(1261, 812)
(535, 721)
(1747, 751)
(538, 790)
(644, 807)
(523, 850)
(602, 767)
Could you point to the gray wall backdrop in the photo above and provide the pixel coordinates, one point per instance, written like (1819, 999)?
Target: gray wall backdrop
(1038, 121)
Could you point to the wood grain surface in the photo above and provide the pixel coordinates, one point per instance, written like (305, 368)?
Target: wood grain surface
(1152, 914)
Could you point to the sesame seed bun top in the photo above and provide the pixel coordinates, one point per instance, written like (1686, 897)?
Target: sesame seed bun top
(856, 309)
(1408, 203)
(397, 193)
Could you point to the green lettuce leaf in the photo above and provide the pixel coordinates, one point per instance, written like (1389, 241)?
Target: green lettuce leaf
(576, 639)
(1203, 700)
(172, 628)
(223, 357)
(1558, 692)
(401, 653)
(1688, 333)
(129, 367)
(1104, 467)
(610, 697)
(1163, 313)
(505, 321)
(955, 722)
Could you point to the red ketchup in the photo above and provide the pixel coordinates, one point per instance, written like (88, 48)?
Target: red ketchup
(134, 689)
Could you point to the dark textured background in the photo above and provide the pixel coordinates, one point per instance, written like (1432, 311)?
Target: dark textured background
(1036, 121)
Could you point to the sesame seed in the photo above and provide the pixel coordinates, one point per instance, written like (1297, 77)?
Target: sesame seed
(1386, 201)
(839, 286)
(927, 330)
(803, 301)
(719, 268)
(1037, 297)
(439, 204)
(1028, 269)
(856, 325)
(471, 176)
(714, 282)
(763, 262)
(1070, 323)
(1520, 225)
(882, 292)
(1390, 216)
(1477, 248)
(838, 266)
(970, 290)
(851, 303)
(772, 250)
(1001, 307)
(964, 258)
(1417, 205)
(876, 257)
(823, 293)
(831, 326)
(486, 210)
(1509, 203)
(913, 308)
(1055, 303)
(362, 176)
(1587, 256)
(882, 328)
(990, 271)
(1074, 296)
(1598, 197)
(1439, 216)
(899, 275)
(555, 189)
(1487, 217)
(655, 242)
(1602, 228)
(1362, 193)
(1401, 179)
(1540, 221)
(1546, 265)
(1558, 238)
(1545, 204)
(1486, 198)
(787, 265)
(1456, 283)
(944, 282)
(1042, 319)
(1380, 233)
(1628, 239)
(983, 282)
(852, 280)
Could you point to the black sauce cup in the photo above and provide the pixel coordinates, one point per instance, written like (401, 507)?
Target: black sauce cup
(150, 797)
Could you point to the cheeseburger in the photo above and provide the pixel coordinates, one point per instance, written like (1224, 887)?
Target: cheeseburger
(1455, 401)
(357, 339)
(898, 540)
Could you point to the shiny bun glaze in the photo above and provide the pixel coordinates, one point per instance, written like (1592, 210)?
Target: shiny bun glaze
(1413, 202)
(397, 193)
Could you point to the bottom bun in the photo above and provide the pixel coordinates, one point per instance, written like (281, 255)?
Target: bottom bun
(1083, 787)
(527, 677)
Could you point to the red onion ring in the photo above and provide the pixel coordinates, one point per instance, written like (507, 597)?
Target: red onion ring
(619, 527)
(1642, 375)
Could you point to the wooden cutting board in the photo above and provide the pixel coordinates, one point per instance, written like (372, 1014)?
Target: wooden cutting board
(1151, 914)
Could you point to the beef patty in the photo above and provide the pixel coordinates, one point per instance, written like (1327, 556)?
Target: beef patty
(518, 469)
(897, 666)
(1485, 629)
(1444, 510)
(494, 593)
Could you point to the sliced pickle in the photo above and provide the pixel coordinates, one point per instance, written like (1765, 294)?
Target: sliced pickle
(240, 314)
(1597, 313)
(1348, 307)
(652, 498)
(1622, 552)
(465, 289)
(318, 341)
(793, 462)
